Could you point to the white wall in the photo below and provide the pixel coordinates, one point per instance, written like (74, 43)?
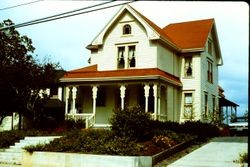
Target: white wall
(106, 58)
(210, 88)
(167, 60)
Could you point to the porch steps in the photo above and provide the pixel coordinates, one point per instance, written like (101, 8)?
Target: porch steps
(13, 154)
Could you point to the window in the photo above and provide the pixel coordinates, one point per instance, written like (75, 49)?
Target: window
(121, 61)
(188, 106)
(126, 29)
(210, 47)
(209, 71)
(214, 106)
(188, 66)
(131, 56)
(206, 105)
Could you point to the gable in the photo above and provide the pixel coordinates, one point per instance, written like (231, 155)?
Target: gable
(153, 32)
(183, 37)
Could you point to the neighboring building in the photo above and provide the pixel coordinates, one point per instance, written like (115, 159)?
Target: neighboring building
(172, 72)
(228, 109)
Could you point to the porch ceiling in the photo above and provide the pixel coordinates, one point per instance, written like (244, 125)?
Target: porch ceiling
(87, 75)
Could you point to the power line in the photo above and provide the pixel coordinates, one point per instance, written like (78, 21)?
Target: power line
(65, 15)
(23, 4)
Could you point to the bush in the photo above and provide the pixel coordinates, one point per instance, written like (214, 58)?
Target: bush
(10, 137)
(202, 130)
(160, 127)
(133, 123)
(92, 141)
(164, 141)
(71, 124)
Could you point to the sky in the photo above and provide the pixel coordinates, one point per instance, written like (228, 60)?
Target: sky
(64, 40)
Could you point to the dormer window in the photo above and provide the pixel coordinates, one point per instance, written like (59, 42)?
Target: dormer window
(126, 29)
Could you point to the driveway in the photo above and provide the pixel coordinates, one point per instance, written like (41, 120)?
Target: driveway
(220, 152)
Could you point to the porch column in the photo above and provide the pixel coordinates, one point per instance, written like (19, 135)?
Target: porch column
(66, 100)
(155, 88)
(146, 94)
(94, 96)
(122, 95)
(59, 93)
(74, 90)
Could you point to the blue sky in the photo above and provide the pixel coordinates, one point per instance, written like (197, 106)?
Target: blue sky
(64, 40)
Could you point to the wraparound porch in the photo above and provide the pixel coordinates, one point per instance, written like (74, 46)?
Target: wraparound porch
(95, 104)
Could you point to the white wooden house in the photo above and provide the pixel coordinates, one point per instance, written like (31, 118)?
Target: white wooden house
(172, 72)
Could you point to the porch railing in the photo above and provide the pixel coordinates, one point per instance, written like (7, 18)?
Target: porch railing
(160, 117)
(90, 121)
(88, 118)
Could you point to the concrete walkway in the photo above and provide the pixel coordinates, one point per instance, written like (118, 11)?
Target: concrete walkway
(220, 152)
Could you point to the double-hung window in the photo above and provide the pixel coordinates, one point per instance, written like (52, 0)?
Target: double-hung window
(131, 56)
(209, 71)
(210, 47)
(120, 57)
(206, 105)
(188, 67)
(188, 105)
(126, 57)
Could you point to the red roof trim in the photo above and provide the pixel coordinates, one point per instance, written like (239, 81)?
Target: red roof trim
(85, 73)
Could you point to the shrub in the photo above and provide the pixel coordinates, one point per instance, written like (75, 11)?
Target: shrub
(133, 123)
(160, 127)
(202, 130)
(243, 158)
(71, 124)
(163, 141)
(10, 137)
(93, 141)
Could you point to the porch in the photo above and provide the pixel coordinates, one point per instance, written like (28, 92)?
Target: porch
(95, 104)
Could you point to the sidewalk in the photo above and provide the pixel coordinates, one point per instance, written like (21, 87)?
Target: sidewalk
(220, 152)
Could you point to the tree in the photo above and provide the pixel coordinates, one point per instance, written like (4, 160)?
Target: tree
(21, 75)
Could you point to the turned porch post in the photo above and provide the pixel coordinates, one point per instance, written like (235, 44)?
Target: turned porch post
(67, 100)
(122, 95)
(155, 88)
(146, 94)
(74, 90)
(94, 96)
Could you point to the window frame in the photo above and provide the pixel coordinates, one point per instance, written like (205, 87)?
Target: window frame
(126, 29)
(188, 108)
(205, 105)
(210, 71)
(133, 56)
(210, 47)
(121, 58)
(190, 65)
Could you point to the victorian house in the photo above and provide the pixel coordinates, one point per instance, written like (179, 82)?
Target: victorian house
(172, 71)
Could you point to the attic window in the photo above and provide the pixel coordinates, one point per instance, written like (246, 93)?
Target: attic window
(126, 29)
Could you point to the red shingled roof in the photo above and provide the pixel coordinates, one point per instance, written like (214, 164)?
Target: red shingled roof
(188, 35)
(184, 35)
(87, 73)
